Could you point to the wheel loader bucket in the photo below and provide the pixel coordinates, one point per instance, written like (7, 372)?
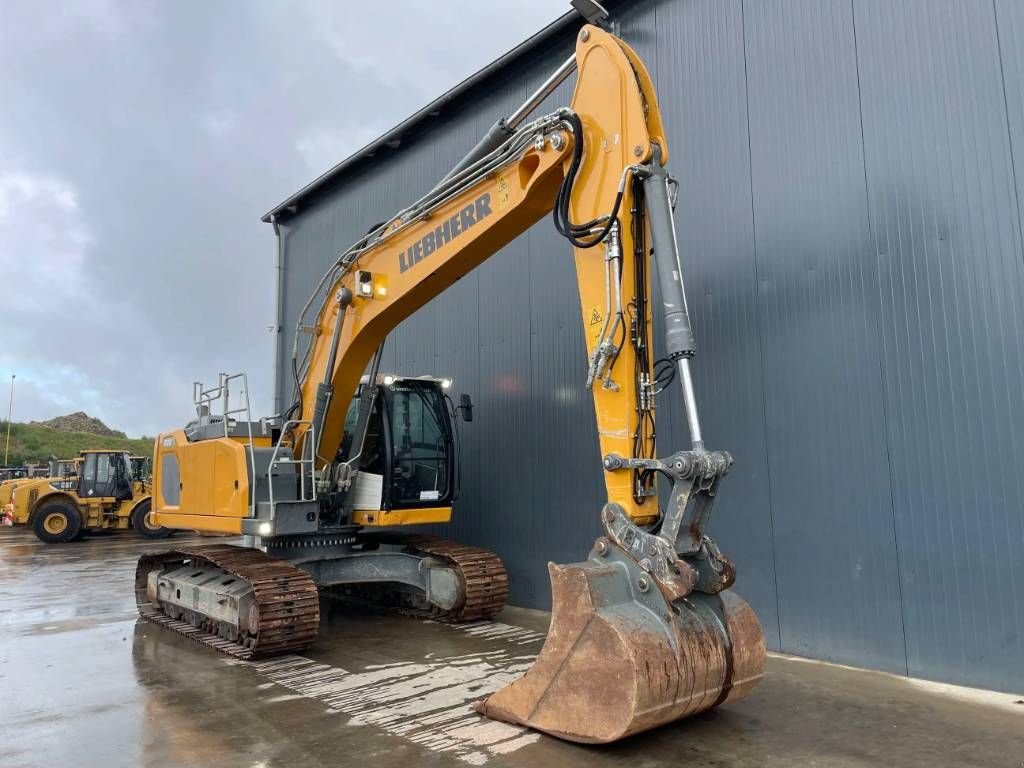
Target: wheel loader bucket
(619, 658)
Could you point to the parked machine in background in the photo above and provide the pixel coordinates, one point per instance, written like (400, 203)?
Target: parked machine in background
(142, 469)
(6, 487)
(17, 473)
(644, 631)
(96, 492)
(57, 470)
(6, 508)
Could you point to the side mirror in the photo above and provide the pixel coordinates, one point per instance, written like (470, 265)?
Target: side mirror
(465, 408)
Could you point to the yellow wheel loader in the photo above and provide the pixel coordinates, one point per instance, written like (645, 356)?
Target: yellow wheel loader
(6, 488)
(58, 469)
(645, 630)
(101, 494)
(6, 507)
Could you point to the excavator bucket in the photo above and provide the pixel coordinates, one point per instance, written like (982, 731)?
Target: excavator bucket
(620, 658)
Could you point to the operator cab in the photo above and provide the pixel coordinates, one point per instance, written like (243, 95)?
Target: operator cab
(141, 468)
(65, 473)
(408, 460)
(105, 474)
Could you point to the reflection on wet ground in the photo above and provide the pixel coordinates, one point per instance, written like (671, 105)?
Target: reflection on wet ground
(83, 683)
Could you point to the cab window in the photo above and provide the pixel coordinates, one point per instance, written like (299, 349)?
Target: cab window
(420, 444)
(103, 469)
(372, 457)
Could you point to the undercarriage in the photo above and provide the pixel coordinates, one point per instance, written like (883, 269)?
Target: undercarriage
(249, 603)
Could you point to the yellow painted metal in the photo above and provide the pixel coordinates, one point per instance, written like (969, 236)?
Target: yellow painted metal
(6, 487)
(201, 523)
(381, 518)
(26, 495)
(526, 190)
(19, 513)
(213, 483)
(410, 266)
(55, 523)
(611, 105)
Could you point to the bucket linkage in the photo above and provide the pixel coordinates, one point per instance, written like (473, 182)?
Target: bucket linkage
(646, 630)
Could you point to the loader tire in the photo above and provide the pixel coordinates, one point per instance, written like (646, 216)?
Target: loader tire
(140, 522)
(57, 522)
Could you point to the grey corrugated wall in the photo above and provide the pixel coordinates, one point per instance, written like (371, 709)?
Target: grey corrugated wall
(850, 220)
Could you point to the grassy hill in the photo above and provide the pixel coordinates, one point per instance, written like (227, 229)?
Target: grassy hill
(35, 443)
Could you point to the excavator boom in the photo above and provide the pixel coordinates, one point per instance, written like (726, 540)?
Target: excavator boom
(646, 630)
(582, 163)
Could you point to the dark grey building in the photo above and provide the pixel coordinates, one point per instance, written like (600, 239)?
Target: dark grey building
(850, 219)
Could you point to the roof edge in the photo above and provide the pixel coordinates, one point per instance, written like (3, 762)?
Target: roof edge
(430, 110)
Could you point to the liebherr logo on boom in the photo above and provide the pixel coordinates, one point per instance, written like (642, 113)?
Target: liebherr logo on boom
(447, 231)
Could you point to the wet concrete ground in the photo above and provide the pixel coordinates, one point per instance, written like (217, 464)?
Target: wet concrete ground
(82, 683)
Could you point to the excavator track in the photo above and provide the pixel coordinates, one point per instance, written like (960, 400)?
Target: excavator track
(482, 573)
(286, 598)
(288, 602)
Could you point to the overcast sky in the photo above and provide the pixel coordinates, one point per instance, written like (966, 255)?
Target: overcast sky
(140, 142)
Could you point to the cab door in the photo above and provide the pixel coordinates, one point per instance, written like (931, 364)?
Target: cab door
(420, 446)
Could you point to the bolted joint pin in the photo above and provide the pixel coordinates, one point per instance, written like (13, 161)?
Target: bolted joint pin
(612, 462)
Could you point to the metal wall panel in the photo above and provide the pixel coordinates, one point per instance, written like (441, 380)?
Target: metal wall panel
(831, 501)
(700, 73)
(947, 235)
(850, 223)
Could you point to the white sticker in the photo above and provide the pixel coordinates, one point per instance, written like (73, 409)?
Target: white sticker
(430, 495)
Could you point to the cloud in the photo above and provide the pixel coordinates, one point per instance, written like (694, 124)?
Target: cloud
(323, 148)
(72, 345)
(426, 45)
(41, 240)
(147, 140)
(218, 124)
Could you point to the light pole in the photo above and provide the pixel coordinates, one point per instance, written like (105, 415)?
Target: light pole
(10, 411)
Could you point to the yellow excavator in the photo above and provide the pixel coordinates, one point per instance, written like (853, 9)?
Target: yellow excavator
(646, 630)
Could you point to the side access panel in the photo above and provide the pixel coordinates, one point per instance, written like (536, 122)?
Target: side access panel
(202, 485)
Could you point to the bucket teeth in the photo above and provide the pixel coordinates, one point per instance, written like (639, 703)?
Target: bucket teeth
(617, 662)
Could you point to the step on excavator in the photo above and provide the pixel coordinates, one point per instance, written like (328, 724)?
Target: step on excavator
(644, 631)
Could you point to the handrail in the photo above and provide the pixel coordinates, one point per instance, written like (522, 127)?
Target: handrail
(222, 392)
(301, 461)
